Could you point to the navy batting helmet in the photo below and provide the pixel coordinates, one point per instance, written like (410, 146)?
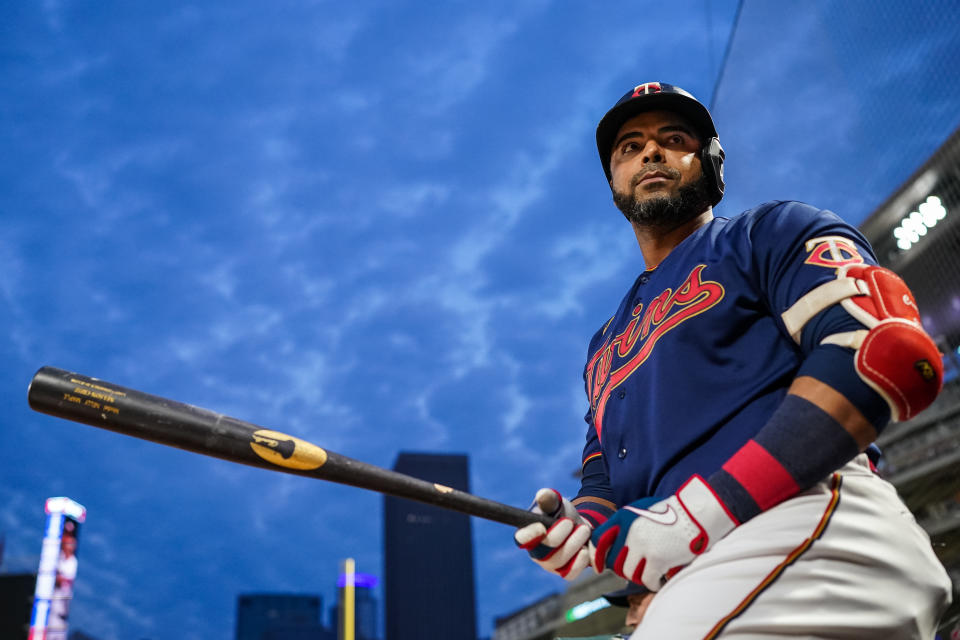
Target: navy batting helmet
(652, 96)
(619, 598)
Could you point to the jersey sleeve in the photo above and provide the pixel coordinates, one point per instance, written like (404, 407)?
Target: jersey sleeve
(793, 249)
(594, 501)
(797, 248)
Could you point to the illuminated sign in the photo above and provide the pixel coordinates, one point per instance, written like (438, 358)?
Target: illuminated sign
(364, 580)
(57, 571)
(584, 609)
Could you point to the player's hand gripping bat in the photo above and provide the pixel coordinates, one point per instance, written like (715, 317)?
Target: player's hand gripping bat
(102, 404)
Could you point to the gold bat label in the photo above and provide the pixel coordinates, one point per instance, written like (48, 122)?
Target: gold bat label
(286, 451)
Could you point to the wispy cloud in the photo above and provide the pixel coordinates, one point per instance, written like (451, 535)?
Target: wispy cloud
(98, 183)
(114, 614)
(450, 64)
(411, 200)
(518, 409)
(53, 12)
(593, 254)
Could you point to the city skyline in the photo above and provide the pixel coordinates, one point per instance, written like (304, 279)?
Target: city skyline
(379, 227)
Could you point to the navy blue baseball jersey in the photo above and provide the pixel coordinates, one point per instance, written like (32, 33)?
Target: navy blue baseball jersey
(697, 358)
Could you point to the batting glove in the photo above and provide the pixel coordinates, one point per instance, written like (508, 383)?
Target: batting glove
(648, 541)
(563, 548)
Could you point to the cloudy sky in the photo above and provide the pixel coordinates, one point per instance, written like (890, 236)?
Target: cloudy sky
(381, 227)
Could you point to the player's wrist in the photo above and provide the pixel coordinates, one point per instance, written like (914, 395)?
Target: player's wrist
(593, 511)
(733, 496)
(702, 503)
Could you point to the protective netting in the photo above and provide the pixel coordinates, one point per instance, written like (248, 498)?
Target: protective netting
(867, 97)
(836, 103)
(917, 234)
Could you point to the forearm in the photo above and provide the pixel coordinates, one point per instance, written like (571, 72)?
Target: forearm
(814, 432)
(836, 405)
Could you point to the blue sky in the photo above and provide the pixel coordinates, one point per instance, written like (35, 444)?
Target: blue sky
(379, 226)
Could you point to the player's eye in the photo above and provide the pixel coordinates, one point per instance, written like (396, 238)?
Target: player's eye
(630, 146)
(676, 138)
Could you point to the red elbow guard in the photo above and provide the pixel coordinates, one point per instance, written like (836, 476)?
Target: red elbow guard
(894, 355)
(896, 358)
(899, 361)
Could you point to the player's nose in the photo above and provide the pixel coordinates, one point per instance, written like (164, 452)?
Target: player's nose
(652, 152)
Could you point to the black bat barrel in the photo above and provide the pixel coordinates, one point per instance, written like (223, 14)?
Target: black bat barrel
(79, 398)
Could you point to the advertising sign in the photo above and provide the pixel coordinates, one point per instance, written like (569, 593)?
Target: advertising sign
(57, 571)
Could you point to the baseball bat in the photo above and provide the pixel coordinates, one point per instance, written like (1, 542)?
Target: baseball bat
(79, 398)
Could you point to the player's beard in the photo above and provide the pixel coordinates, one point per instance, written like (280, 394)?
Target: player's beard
(665, 212)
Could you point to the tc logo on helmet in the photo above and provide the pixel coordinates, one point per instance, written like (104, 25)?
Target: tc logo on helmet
(645, 88)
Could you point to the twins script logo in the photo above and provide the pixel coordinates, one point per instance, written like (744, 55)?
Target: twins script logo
(636, 342)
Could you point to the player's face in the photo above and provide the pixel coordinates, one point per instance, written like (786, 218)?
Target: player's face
(638, 604)
(656, 176)
(654, 155)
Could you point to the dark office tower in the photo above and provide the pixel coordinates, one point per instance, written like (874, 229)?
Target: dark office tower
(16, 602)
(364, 609)
(428, 557)
(267, 615)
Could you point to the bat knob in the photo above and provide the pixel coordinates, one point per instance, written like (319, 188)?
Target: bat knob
(549, 501)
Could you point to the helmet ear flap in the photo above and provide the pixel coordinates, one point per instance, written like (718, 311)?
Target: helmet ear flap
(711, 159)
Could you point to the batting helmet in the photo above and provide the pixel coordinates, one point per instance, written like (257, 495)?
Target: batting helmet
(651, 96)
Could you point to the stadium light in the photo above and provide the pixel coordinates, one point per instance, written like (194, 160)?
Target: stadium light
(584, 609)
(917, 223)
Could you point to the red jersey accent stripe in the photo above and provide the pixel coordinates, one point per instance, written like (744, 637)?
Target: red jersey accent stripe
(791, 557)
(765, 479)
(595, 517)
(592, 456)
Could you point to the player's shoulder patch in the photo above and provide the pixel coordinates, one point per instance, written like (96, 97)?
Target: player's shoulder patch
(832, 252)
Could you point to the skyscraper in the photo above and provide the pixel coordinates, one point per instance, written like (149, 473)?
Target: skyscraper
(274, 615)
(16, 602)
(365, 607)
(428, 557)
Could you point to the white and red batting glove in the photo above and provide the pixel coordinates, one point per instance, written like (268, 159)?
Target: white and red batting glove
(563, 548)
(648, 541)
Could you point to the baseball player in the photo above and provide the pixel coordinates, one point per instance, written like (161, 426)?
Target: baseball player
(635, 598)
(732, 397)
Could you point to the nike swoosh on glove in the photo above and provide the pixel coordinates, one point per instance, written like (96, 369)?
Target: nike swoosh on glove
(648, 541)
(563, 548)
